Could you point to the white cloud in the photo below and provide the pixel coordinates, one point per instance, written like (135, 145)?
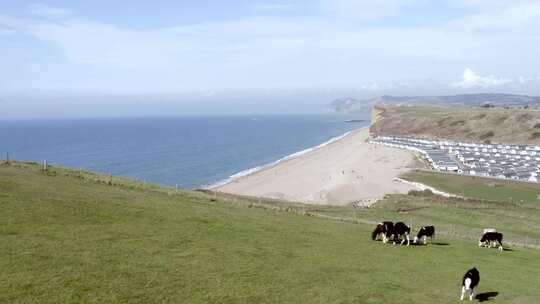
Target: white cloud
(371, 86)
(273, 6)
(366, 9)
(6, 31)
(44, 10)
(502, 16)
(279, 51)
(473, 80)
(483, 5)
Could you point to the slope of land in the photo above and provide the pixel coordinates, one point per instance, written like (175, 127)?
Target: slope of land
(352, 105)
(478, 187)
(345, 171)
(494, 125)
(77, 237)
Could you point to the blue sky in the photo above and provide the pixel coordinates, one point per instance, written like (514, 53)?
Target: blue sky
(69, 48)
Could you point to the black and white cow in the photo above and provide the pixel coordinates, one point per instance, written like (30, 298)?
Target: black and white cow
(384, 229)
(489, 230)
(491, 238)
(469, 282)
(401, 230)
(424, 233)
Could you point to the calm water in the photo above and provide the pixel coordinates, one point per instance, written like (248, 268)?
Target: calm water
(188, 151)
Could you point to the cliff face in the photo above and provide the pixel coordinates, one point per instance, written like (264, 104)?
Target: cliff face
(376, 114)
(459, 123)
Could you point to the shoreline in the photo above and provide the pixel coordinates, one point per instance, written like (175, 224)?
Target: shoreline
(344, 170)
(247, 172)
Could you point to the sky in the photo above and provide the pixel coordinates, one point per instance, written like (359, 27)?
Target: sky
(97, 57)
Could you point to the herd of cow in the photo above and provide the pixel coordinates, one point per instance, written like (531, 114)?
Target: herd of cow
(400, 233)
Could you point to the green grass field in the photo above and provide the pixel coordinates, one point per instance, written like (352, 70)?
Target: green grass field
(77, 237)
(478, 187)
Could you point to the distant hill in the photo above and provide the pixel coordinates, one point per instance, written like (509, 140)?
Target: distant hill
(351, 105)
(497, 125)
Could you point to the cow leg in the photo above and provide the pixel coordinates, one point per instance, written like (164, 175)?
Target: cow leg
(471, 294)
(408, 239)
(425, 239)
(462, 293)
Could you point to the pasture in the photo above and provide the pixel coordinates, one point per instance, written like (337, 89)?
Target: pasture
(479, 187)
(78, 237)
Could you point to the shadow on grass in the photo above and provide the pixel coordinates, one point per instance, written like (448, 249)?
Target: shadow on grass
(422, 244)
(486, 296)
(430, 244)
(441, 244)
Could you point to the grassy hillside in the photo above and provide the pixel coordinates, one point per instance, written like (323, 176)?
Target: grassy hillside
(479, 187)
(459, 123)
(72, 237)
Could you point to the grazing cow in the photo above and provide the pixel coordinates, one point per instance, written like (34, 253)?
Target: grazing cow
(491, 238)
(401, 230)
(470, 281)
(424, 233)
(489, 230)
(384, 229)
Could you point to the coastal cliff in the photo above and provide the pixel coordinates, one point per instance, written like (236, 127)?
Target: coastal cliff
(494, 125)
(376, 114)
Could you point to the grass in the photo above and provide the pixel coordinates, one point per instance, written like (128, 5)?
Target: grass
(72, 237)
(478, 187)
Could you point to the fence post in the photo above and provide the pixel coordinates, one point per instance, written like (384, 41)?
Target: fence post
(7, 157)
(45, 165)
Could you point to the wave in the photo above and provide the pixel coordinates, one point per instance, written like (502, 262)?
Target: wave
(290, 156)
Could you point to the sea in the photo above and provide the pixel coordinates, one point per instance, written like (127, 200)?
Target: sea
(184, 152)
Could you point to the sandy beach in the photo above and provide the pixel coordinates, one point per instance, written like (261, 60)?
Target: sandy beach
(349, 170)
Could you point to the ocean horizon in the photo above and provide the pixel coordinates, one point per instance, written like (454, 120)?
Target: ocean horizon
(186, 152)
